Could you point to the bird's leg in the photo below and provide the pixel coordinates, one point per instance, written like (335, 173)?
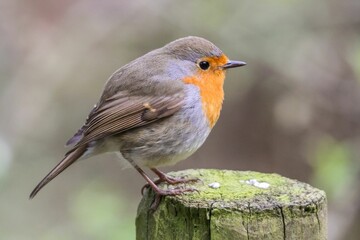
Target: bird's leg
(166, 178)
(160, 192)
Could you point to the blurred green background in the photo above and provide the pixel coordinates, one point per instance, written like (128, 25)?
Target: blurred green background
(294, 109)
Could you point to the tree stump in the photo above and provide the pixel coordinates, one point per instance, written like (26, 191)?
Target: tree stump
(235, 205)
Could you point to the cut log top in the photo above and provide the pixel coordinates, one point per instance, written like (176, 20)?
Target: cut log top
(235, 205)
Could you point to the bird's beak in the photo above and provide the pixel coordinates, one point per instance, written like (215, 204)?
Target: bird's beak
(233, 64)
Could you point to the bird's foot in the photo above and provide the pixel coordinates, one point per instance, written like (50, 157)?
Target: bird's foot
(172, 180)
(169, 180)
(159, 193)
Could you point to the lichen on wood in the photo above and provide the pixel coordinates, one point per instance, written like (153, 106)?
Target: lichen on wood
(242, 205)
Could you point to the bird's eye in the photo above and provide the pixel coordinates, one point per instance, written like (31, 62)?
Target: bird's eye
(204, 65)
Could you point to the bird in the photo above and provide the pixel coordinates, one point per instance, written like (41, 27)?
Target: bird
(154, 111)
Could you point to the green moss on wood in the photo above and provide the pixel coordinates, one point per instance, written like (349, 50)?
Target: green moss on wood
(287, 209)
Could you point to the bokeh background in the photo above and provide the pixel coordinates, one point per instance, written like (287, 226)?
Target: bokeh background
(294, 109)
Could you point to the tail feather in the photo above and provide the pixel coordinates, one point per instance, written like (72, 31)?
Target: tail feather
(69, 159)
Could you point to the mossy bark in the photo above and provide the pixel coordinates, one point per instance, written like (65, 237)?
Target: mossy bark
(275, 208)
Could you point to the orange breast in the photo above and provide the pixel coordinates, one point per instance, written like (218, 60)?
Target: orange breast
(210, 84)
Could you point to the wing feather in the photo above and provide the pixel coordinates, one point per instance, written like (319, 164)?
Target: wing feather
(122, 112)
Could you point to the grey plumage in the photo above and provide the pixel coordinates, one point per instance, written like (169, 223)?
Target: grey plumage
(149, 91)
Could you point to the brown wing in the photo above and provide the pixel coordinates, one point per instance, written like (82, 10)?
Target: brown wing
(122, 112)
(114, 115)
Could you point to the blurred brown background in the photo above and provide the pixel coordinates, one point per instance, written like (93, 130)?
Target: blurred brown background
(294, 109)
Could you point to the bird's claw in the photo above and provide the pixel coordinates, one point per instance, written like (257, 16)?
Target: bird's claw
(170, 181)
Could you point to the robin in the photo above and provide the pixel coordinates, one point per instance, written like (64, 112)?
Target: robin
(155, 111)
